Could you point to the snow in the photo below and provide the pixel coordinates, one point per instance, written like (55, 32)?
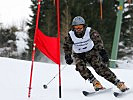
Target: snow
(128, 16)
(21, 42)
(15, 74)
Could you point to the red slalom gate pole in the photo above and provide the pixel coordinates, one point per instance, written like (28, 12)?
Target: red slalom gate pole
(58, 24)
(34, 47)
(33, 55)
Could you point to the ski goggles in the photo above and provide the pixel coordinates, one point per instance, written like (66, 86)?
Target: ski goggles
(78, 27)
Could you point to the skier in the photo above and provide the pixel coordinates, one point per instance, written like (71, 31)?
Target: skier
(86, 46)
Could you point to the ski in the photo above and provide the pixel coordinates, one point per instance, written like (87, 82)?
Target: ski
(87, 93)
(119, 94)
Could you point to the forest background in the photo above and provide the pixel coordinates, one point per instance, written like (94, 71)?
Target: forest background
(88, 9)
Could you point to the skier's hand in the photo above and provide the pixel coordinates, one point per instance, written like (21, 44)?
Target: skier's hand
(68, 59)
(104, 56)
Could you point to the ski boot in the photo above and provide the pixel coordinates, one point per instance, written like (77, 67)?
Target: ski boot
(97, 85)
(122, 86)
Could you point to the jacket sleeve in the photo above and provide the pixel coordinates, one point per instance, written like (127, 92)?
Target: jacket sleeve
(67, 46)
(96, 38)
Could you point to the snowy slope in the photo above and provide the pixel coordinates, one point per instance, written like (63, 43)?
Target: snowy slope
(15, 74)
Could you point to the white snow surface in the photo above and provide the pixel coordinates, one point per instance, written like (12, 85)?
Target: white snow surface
(15, 76)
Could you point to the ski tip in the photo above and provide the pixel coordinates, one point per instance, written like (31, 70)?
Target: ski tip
(85, 93)
(116, 94)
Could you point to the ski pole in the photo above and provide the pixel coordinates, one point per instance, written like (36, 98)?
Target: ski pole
(118, 61)
(46, 85)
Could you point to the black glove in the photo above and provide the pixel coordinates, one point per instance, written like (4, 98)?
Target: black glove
(104, 56)
(68, 59)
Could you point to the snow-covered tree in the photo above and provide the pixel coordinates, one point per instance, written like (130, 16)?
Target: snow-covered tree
(13, 42)
(126, 40)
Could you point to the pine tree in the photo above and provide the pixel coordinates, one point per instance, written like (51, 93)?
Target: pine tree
(47, 22)
(126, 39)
